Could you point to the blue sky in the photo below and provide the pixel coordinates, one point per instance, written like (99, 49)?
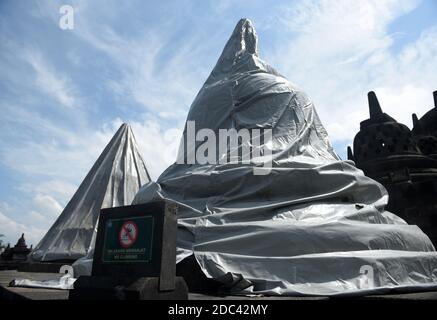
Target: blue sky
(63, 93)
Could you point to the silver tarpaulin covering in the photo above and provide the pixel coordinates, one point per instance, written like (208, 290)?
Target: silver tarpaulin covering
(113, 181)
(311, 224)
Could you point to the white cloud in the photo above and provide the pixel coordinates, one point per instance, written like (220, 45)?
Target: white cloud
(12, 230)
(154, 75)
(32, 217)
(46, 204)
(62, 154)
(338, 51)
(39, 219)
(54, 84)
(60, 189)
(157, 146)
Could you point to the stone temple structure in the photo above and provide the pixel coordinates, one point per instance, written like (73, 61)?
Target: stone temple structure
(295, 219)
(404, 161)
(12, 257)
(112, 181)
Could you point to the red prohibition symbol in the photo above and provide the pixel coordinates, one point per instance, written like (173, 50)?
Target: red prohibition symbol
(128, 234)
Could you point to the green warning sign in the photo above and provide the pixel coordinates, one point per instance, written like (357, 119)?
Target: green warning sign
(128, 240)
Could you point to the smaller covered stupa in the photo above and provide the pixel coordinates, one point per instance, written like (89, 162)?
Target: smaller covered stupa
(18, 252)
(113, 181)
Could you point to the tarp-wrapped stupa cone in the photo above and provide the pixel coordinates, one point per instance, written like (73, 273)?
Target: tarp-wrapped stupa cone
(312, 225)
(113, 181)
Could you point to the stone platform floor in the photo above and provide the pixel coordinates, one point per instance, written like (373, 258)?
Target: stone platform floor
(6, 276)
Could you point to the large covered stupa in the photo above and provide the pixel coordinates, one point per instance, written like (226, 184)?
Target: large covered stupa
(113, 181)
(309, 223)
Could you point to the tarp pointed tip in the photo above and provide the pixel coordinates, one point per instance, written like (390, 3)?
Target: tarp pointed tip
(246, 39)
(245, 21)
(374, 107)
(125, 127)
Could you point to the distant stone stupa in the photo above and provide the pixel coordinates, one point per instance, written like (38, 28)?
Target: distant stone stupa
(18, 252)
(113, 181)
(310, 224)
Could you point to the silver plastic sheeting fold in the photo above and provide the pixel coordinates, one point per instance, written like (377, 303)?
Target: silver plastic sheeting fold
(314, 225)
(65, 282)
(113, 181)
